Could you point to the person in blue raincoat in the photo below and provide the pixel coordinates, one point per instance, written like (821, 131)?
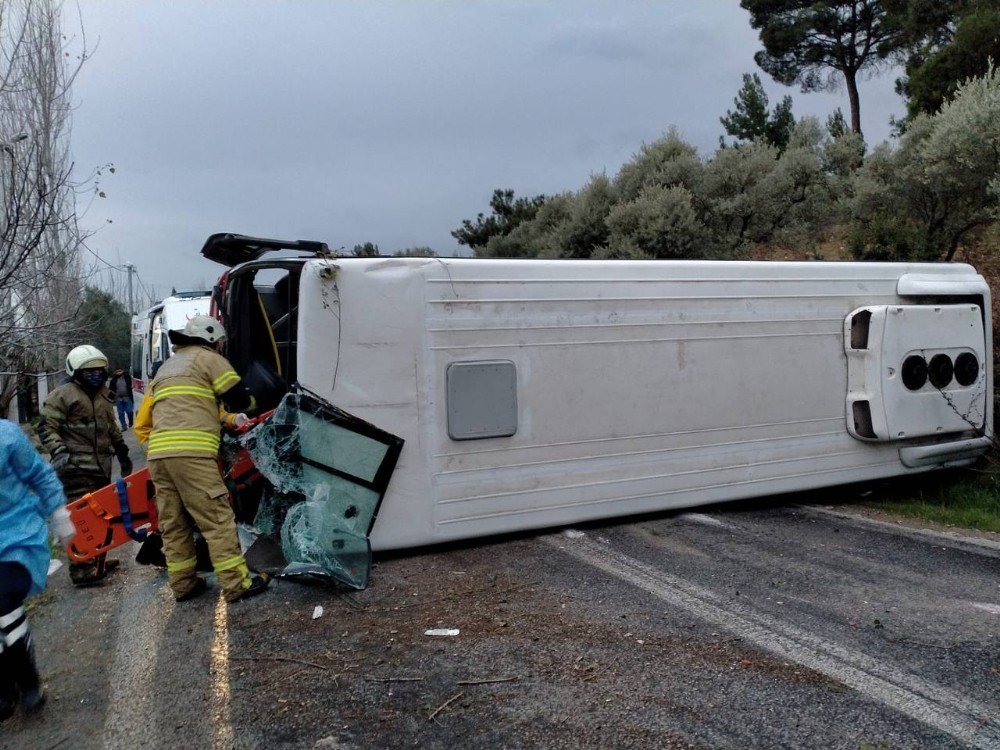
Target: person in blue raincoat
(30, 493)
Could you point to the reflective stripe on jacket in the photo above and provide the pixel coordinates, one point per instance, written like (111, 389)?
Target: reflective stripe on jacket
(184, 402)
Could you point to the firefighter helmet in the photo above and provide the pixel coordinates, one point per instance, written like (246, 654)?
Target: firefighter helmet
(83, 358)
(202, 327)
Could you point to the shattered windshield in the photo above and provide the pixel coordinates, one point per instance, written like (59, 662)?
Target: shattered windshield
(322, 475)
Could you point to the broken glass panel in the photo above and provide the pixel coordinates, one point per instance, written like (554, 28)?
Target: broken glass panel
(326, 472)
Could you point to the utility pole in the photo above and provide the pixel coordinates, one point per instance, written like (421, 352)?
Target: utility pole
(131, 269)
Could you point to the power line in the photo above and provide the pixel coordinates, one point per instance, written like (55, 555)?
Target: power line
(107, 263)
(121, 269)
(143, 286)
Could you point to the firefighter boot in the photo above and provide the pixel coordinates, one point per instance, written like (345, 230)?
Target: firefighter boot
(258, 585)
(86, 574)
(110, 566)
(200, 587)
(151, 551)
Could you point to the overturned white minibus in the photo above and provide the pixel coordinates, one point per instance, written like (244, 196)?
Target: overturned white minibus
(536, 393)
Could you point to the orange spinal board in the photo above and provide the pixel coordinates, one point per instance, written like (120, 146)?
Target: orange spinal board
(123, 511)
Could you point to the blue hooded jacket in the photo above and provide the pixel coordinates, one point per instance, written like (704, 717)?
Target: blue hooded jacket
(30, 492)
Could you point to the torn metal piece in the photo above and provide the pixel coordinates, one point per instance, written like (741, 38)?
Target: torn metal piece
(262, 553)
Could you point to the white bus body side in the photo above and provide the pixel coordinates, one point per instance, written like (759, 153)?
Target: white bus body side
(640, 386)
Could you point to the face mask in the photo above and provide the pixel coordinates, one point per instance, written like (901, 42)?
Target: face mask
(95, 378)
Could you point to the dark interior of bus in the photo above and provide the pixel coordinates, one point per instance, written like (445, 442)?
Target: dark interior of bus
(261, 318)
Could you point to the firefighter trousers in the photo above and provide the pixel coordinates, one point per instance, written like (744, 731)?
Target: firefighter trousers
(190, 493)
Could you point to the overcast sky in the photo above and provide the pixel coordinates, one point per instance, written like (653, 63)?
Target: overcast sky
(387, 122)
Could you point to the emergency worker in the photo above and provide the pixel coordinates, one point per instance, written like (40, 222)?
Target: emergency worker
(182, 421)
(80, 432)
(121, 386)
(30, 492)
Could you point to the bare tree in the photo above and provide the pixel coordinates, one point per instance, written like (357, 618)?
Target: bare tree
(40, 238)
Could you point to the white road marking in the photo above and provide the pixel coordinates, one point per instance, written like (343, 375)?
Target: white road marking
(993, 609)
(141, 621)
(934, 705)
(223, 737)
(704, 520)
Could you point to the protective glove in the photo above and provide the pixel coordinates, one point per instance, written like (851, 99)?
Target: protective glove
(235, 422)
(62, 526)
(121, 452)
(60, 459)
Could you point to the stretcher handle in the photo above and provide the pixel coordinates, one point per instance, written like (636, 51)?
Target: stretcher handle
(138, 535)
(71, 552)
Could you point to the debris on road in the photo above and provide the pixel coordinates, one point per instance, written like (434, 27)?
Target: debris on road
(487, 681)
(317, 612)
(444, 705)
(291, 659)
(442, 632)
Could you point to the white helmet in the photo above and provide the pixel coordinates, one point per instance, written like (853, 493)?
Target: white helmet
(83, 358)
(202, 327)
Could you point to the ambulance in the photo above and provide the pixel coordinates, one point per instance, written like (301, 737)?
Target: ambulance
(150, 346)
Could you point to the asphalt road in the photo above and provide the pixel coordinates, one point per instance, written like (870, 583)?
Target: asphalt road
(734, 628)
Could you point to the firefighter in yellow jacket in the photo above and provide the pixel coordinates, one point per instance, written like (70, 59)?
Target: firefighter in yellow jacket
(180, 415)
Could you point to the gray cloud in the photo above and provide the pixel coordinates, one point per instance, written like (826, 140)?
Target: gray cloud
(387, 122)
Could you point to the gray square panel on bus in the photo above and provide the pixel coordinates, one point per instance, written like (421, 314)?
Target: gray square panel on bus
(482, 399)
